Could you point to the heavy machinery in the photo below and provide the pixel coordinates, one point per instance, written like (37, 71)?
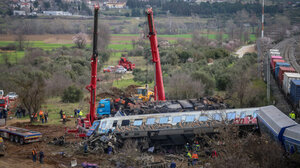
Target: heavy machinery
(143, 94)
(159, 91)
(2, 147)
(84, 124)
(4, 102)
(126, 64)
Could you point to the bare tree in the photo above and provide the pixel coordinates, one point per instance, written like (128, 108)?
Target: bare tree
(80, 40)
(20, 40)
(182, 86)
(251, 150)
(103, 36)
(31, 90)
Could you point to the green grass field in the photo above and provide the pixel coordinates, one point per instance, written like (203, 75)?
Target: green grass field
(120, 46)
(37, 44)
(13, 57)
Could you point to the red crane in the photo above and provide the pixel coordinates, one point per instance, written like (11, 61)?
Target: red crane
(92, 86)
(159, 91)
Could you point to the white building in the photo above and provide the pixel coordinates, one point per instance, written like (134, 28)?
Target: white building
(19, 13)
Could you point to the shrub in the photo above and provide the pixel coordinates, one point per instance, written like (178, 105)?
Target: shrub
(72, 94)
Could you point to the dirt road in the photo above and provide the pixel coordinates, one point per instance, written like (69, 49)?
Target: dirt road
(248, 48)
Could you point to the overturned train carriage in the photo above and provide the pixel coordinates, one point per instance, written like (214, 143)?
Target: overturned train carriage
(175, 128)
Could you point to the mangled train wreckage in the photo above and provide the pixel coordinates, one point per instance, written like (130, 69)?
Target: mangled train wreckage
(174, 128)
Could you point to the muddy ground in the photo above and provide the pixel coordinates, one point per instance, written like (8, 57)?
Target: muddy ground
(19, 156)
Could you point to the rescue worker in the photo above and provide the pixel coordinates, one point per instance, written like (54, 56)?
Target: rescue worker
(41, 157)
(187, 147)
(197, 146)
(61, 113)
(292, 115)
(64, 118)
(80, 114)
(75, 113)
(34, 155)
(214, 154)
(46, 117)
(189, 156)
(195, 158)
(85, 148)
(173, 165)
(41, 114)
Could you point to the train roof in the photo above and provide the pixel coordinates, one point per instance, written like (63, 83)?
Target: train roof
(296, 82)
(293, 132)
(206, 112)
(274, 118)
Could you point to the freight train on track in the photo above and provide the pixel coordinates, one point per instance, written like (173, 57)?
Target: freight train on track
(287, 78)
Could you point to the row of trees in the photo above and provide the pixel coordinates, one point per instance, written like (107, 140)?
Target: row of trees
(184, 8)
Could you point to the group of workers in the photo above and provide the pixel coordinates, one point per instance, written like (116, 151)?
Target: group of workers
(20, 111)
(78, 113)
(34, 156)
(3, 113)
(192, 152)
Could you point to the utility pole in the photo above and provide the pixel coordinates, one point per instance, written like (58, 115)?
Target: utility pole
(268, 76)
(262, 19)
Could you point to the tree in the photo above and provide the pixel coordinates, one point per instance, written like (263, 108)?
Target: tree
(103, 36)
(20, 40)
(72, 94)
(177, 87)
(30, 87)
(46, 5)
(231, 28)
(80, 40)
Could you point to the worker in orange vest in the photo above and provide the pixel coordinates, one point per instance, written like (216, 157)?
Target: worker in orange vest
(64, 118)
(195, 158)
(41, 113)
(34, 155)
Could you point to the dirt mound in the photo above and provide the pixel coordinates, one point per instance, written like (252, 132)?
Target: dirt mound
(117, 93)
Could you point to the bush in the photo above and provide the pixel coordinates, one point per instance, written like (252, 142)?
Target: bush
(72, 94)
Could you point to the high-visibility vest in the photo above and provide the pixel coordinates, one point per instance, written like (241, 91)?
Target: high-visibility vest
(197, 147)
(64, 116)
(195, 156)
(80, 113)
(189, 155)
(41, 113)
(33, 152)
(292, 116)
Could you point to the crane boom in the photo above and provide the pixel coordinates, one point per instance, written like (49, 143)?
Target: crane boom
(159, 91)
(92, 86)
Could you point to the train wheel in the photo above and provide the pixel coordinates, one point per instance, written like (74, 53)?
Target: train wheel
(11, 138)
(16, 139)
(22, 141)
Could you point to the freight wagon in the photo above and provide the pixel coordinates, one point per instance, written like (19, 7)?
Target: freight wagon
(20, 135)
(287, 78)
(278, 65)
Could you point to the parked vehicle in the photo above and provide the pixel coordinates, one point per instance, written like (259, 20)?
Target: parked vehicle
(109, 69)
(4, 102)
(2, 147)
(121, 70)
(1, 93)
(20, 135)
(12, 95)
(129, 66)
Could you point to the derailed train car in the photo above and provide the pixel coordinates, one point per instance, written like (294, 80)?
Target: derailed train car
(174, 128)
(280, 127)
